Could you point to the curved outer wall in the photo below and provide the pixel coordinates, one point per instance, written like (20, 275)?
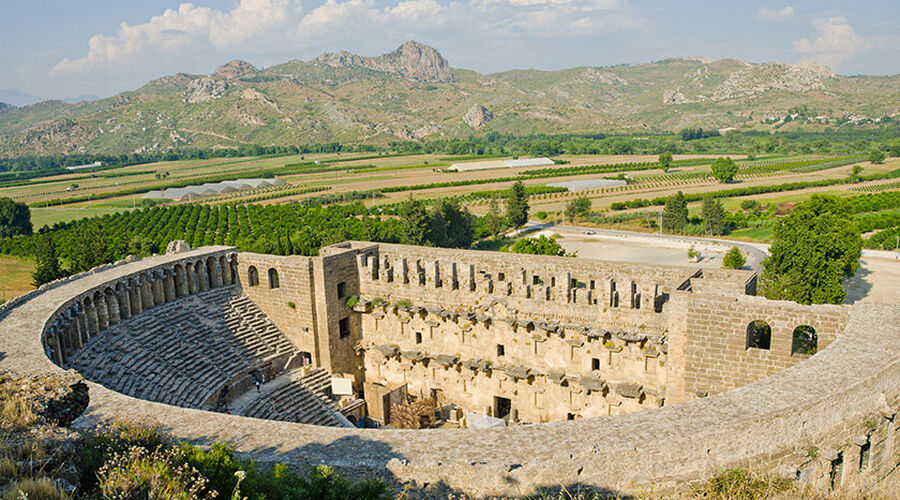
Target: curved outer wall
(840, 403)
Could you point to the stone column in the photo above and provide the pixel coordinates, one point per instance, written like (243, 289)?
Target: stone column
(81, 327)
(56, 347)
(191, 278)
(134, 295)
(180, 282)
(91, 319)
(203, 275)
(112, 307)
(124, 302)
(159, 296)
(215, 274)
(169, 284)
(147, 301)
(73, 328)
(102, 312)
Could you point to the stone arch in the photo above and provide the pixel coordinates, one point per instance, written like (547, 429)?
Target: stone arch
(273, 278)
(759, 335)
(805, 340)
(252, 276)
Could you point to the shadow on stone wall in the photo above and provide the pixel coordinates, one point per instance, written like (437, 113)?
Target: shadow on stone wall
(359, 458)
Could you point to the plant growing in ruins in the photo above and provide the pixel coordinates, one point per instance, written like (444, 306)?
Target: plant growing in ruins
(402, 303)
(693, 254)
(378, 301)
(812, 452)
(292, 305)
(351, 301)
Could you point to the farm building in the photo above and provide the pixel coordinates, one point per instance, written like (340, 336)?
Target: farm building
(486, 165)
(188, 193)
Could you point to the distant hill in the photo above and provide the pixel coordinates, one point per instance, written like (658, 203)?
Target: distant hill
(413, 93)
(4, 106)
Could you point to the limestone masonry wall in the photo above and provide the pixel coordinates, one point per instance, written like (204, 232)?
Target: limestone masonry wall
(824, 419)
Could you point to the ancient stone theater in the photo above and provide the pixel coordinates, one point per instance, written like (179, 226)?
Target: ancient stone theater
(543, 372)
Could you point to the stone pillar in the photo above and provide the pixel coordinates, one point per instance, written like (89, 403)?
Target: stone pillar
(147, 301)
(169, 284)
(72, 316)
(56, 347)
(226, 271)
(81, 326)
(124, 300)
(159, 296)
(91, 319)
(181, 288)
(112, 307)
(102, 312)
(203, 275)
(191, 276)
(134, 295)
(215, 274)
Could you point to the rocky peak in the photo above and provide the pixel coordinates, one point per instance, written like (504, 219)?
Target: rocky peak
(411, 60)
(478, 116)
(759, 78)
(234, 69)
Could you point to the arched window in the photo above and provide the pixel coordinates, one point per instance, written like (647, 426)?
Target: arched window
(273, 278)
(759, 335)
(805, 340)
(252, 276)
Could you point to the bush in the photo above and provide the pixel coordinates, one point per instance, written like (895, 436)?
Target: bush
(734, 259)
(160, 474)
(740, 484)
(42, 488)
(724, 169)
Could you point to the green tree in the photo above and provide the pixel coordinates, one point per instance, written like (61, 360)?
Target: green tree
(414, 224)
(47, 261)
(675, 213)
(517, 205)
(876, 156)
(724, 169)
(814, 249)
(854, 174)
(665, 161)
(450, 226)
(576, 207)
(88, 246)
(541, 245)
(15, 218)
(713, 214)
(734, 259)
(493, 219)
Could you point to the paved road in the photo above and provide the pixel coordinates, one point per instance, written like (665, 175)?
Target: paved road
(754, 252)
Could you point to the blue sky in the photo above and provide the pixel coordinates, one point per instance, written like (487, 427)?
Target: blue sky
(57, 49)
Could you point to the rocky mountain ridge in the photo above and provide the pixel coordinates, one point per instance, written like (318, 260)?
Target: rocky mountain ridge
(412, 93)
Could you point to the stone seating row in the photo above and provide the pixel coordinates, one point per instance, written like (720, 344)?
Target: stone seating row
(183, 352)
(305, 400)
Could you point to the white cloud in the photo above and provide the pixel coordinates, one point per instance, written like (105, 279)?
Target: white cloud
(260, 25)
(778, 16)
(835, 42)
(175, 29)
